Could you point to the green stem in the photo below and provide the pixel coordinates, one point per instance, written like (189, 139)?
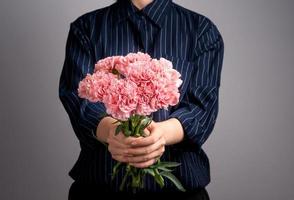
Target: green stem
(125, 178)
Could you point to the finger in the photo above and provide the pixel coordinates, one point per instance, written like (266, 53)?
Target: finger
(145, 158)
(146, 149)
(116, 151)
(146, 141)
(116, 143)
(147, 132)
(151, 126)
(119, 158)
(126, 140)
(117, 148)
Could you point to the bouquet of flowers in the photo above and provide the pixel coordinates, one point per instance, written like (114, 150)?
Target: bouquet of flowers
(131, 88)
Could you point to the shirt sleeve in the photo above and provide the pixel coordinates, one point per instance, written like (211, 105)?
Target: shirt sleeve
(79, 60)
(198, 110)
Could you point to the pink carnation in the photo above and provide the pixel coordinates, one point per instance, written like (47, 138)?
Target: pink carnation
(94, 87)
(134, 57)
(121, 99)
(109, 64)
(132, 84)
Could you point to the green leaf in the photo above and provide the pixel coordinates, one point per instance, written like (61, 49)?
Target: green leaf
(142, 175)
(117, 121)
(137, 130)
(137, 135)
(172, 178)
(168, 164)
(118, 129)
(128, 133)
(136, 181)
(115, 170)
(149, 171)
(126, 130)
(158, 178)
(145, 122)
(164, 169)
(134, 121)
(122, 185)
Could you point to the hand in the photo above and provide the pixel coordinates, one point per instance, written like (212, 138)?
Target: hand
(145, 151)
(117, 144)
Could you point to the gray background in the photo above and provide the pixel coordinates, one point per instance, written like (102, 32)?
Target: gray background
(250, 149)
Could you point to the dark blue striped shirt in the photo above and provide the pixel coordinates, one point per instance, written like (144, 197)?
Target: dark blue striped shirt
(162, 29)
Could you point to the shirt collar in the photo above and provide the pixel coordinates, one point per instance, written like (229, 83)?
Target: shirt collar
(155, 11)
